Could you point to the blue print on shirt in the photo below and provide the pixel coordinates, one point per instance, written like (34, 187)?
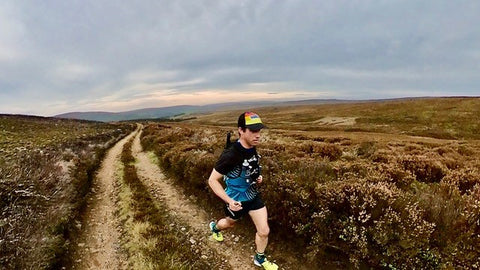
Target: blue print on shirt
(241, 180)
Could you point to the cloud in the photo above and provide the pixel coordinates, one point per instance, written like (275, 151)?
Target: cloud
(11, 34)
(71, 72)
(106, 55)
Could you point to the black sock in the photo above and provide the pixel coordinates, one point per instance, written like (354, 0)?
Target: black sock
(260, 257)
(215, 229)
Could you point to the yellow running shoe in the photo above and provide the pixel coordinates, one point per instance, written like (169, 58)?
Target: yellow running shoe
(265, 264)
(216, 234)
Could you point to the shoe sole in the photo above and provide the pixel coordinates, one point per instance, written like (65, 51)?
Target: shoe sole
(217, 240)
(258, 264)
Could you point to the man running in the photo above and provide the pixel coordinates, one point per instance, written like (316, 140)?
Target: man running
(239, 167)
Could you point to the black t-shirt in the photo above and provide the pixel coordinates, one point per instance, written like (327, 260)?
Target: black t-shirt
(240, 167)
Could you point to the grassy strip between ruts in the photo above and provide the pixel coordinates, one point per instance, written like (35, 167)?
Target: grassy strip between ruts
(149, 240)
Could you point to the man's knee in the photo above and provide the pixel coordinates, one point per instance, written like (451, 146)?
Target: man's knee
(263, 231)
(229, 223)
(225, 223)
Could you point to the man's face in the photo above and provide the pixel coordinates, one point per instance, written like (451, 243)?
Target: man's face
(250, 137)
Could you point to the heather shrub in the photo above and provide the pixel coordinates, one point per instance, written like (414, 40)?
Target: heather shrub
(46, 169)
(355, 169)
(372, 222)
(465, 179)
(366, 149)
(380, 156)
(190, 167)
(290, 199)
(319, 149)
(393, 173)
(201, 164)
(189, 158)
(395, 205)
(368, 222)
(465, 150)
(25, 195)
(456, 222)
(425, 169)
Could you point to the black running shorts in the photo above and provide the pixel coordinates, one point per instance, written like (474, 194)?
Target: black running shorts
(247, 206)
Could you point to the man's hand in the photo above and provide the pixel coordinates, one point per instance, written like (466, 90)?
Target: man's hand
(235, 206)
(259, 179)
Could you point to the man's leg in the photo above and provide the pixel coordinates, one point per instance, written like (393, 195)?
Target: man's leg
(259, 218)
(216, 227)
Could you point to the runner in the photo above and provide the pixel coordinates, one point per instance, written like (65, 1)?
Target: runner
(239, 167)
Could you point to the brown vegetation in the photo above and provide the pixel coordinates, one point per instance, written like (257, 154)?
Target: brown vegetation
(442, 118)
(397, 187)
(46, 168)
(378, 199)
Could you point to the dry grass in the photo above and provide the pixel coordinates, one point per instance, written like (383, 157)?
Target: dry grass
(46, 167)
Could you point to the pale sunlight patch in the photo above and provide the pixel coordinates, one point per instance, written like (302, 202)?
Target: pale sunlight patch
(336, 121)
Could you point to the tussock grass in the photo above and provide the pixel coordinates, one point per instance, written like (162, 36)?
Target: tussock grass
(46, 169)
(150, 241)
(379, 200)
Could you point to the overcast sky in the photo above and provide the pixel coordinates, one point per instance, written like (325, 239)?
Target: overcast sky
(62, 56)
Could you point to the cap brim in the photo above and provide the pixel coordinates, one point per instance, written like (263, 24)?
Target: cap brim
(255, 127)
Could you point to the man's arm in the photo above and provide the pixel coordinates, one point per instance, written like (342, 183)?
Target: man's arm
(214, 183)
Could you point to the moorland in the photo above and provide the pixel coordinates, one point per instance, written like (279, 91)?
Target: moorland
(379, 184)
(391, 184)
(47, 166)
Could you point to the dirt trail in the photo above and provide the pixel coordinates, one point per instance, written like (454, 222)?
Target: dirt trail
(98, 245)
(235, 253)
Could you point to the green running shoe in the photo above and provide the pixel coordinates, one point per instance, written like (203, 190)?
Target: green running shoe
(262, 262)
(216, 234)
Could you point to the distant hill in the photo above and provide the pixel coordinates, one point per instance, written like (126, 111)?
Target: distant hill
(149, 113)
(156, 113)
(316, 102)
(168, 112)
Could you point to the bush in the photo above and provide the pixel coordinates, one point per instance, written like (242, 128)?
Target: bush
(465, 180)
(411, 208)
(366, 149)
(425, 169)
(46, 169)
(372, 222)
(316, 149)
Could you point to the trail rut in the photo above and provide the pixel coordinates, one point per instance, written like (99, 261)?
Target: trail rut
(97, 247)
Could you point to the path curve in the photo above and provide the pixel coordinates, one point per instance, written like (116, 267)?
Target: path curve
(98, 245)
